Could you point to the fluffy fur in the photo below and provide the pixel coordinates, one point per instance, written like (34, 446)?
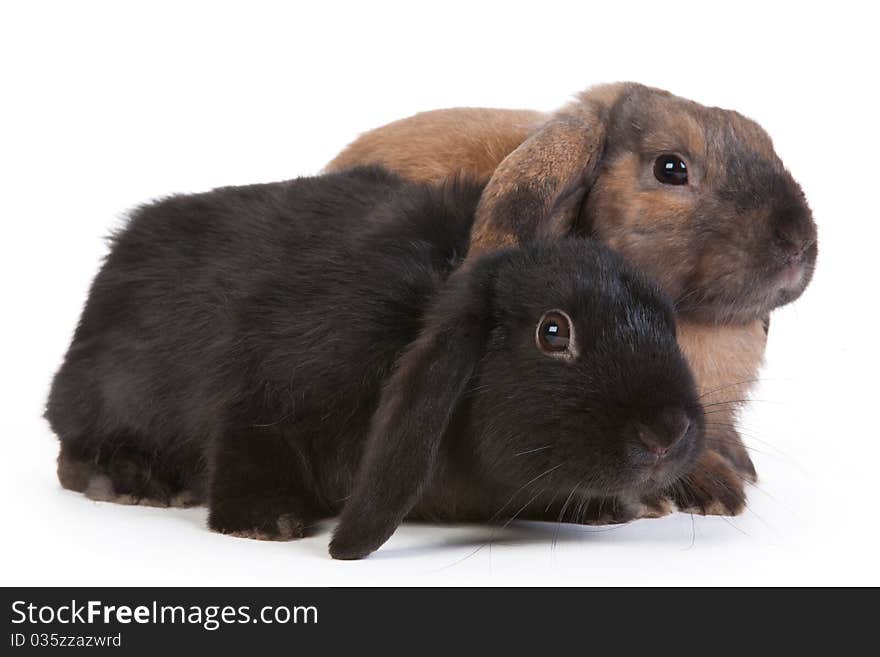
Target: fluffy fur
(295, 350)
(730, 246)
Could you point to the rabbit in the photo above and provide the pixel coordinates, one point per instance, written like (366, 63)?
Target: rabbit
(693, 196)
(289, 351)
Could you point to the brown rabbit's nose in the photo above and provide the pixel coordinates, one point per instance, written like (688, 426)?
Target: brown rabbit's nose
(670, 426)
(792, 249)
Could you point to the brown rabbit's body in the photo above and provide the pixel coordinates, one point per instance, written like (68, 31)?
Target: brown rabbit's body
(730, 244)
(428, 146)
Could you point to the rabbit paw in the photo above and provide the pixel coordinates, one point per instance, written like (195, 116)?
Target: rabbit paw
(729, 444)
(656, 507)
(712, 488)
(262, 520)
(616, 511)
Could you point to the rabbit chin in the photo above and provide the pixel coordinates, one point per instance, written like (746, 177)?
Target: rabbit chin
(748, 304)
(637, 480)
(782, 287)
(660, 476)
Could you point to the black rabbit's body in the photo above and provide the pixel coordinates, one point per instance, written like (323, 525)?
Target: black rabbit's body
(191, 276)
(270, 351)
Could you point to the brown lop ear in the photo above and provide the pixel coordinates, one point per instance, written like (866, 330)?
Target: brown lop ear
(537, 190)
(415, 408)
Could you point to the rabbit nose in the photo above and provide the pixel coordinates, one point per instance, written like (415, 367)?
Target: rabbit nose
(791, 248)
(670, 426)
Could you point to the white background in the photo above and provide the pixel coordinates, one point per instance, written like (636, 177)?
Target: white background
(107, 104)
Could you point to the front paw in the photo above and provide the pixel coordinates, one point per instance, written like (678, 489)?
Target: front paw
(713, 487)
(726, 441)
(616, 511)
(264, 520)
(656, 507)
(736, 454)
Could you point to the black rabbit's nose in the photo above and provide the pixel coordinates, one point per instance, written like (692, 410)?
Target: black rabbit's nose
(670, 426)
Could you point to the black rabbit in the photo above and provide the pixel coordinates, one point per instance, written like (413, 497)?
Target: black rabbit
(269, 350)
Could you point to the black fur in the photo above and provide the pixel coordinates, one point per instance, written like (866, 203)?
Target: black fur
(292, 350)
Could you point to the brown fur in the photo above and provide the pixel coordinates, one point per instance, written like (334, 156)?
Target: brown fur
(587, 169)
(477, 138)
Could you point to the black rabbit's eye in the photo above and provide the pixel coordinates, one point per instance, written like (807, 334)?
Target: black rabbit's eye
(671, 170)
(554, 333)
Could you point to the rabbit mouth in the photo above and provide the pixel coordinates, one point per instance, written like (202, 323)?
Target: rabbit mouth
(740, 305)
(786, 284)
(661, 473)
(651, 475)
(790, 284)
(791, 277)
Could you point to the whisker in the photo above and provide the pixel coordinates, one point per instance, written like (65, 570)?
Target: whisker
(532, 451)
(523, 507)
(518, 490)
(742, 401)
(497, 513)
(730, 385)
(562, 512)
(731, 523)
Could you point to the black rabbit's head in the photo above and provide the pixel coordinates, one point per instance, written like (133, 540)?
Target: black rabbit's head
(569, 365)
(581, 373)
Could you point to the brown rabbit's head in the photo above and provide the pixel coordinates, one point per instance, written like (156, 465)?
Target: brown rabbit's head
(695, 196)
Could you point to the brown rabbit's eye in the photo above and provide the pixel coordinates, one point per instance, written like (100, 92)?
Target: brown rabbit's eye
(554, 334)
(671, 170)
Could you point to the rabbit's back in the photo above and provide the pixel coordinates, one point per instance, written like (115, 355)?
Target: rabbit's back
(206, 300)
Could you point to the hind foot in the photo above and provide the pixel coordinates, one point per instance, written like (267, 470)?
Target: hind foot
(100, 489)
(88, 478)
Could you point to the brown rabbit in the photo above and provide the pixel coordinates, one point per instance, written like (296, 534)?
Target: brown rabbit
(693, 195)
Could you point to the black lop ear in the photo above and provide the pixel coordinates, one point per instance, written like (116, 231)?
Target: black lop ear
(415, 408)
(537, 190)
